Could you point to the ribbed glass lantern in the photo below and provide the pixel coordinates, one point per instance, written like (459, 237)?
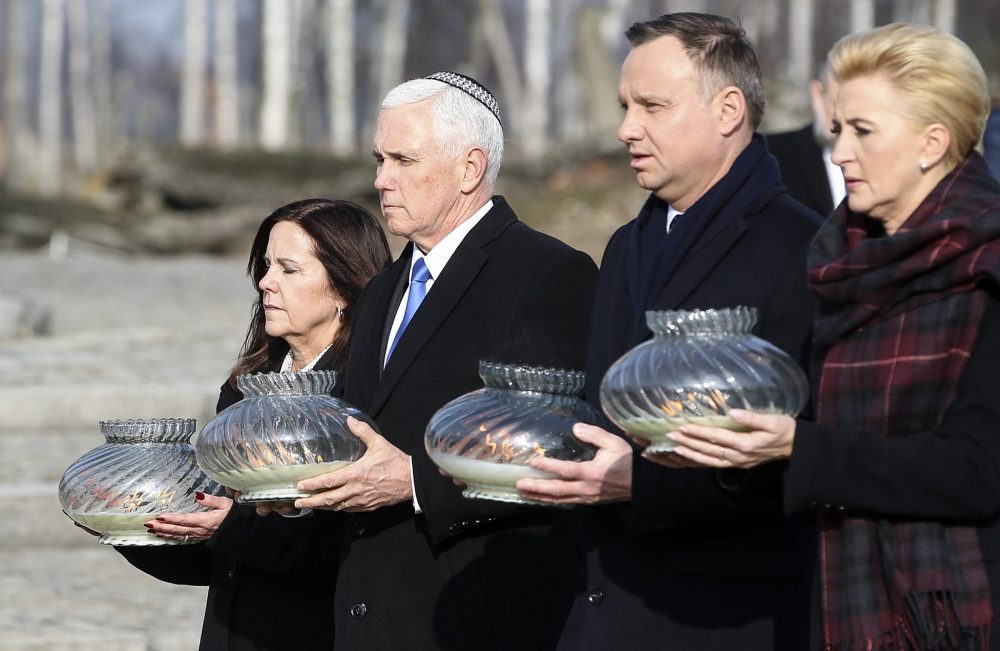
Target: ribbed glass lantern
(699, 365)
(486, 438)
(287, 428)
(144, 468)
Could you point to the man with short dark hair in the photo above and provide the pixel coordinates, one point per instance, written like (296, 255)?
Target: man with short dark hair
(679, 557)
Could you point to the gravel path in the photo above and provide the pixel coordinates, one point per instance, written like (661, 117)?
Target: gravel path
(129, 338)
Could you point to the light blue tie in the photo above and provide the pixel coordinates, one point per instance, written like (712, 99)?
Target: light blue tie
(418, 289)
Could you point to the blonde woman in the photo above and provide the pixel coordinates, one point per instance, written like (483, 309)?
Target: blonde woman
(903, 463)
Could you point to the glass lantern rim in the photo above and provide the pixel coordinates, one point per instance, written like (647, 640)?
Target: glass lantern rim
(535, 379)
(729, 321)
(287, 383)
(148, 430)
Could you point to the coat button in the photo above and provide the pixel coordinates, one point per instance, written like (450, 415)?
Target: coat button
(358, 611)
(595, 597)
(360, 526)
(231, 570)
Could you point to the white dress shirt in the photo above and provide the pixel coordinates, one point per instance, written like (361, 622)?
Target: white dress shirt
(836, 177)
(435, 259)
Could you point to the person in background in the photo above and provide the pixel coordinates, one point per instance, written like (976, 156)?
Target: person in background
(804, 154)
(682, 558)
(991, 138)
(421, 566)
(902, 464)
(269, 587)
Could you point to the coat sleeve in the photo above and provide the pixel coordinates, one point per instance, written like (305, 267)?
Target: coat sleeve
(952, 472)
(279, 545)
(548, 327)
(179, 564)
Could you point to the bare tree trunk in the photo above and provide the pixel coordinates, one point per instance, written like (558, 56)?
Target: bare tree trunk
(82, 98)
(571, 119)
(613, 24)
(674, 6)
(304, 14)
(390, 54)
(18, 138)
(227, 101)
(901, 11)
(50, 100)
(598, 73)
(274, 109)
(800, 42)
(501, 50)
(760, 22)
(107, 123)
(340, 75)
(862, 15)
(192, 74)
(537, 77)
(921, 12)
(393, 31)
(944, 15)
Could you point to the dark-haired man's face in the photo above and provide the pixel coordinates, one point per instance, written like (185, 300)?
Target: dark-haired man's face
(673, 137)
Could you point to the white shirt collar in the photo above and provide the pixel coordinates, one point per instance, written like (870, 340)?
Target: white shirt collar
(435, 261)
(443, 250)
(835, 176)
(671, 213)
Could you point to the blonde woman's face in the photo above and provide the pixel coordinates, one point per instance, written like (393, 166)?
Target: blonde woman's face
(879, 150)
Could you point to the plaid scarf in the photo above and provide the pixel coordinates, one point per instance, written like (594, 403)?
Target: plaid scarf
(897, 319)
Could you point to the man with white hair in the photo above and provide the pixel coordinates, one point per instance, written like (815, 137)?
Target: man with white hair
(803, 155)
(420, 566)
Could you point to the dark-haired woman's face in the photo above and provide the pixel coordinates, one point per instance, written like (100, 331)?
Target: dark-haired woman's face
(299, 304)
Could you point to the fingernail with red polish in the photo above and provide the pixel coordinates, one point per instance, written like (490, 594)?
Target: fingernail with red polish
(147, 525)
(198, 495)
(161, 519)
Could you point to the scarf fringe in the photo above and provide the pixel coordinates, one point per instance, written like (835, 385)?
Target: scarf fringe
(935, 624)
(932, 623)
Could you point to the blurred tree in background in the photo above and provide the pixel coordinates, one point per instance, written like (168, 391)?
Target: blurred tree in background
(193, 105)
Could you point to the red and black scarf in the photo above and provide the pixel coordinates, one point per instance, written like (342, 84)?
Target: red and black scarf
(898, 316)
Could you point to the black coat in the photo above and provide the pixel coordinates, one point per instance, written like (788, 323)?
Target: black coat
(802, 169)
(950, 474)
(464, 574)
(269, 581)
(702, 560)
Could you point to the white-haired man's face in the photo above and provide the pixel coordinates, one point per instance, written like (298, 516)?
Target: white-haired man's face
(418, 181)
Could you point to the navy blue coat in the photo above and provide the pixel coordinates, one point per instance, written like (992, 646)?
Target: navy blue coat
(702, 559)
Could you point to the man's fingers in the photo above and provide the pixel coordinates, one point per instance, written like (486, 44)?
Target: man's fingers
(563, 469)
(330, 480)
(362, 430)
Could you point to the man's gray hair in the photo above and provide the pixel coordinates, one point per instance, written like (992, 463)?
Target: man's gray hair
(460, 121)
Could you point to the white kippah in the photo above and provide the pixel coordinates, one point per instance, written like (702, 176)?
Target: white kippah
(471, 87)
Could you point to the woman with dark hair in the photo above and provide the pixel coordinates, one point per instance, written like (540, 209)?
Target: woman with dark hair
(271, 587)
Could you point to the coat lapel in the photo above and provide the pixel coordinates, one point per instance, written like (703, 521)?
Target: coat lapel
(814, 173)
(697, 266)
(445, 294)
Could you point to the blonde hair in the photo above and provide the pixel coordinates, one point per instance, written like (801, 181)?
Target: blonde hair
(937, 75)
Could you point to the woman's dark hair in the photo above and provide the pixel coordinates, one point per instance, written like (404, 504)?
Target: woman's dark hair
(347, 240)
